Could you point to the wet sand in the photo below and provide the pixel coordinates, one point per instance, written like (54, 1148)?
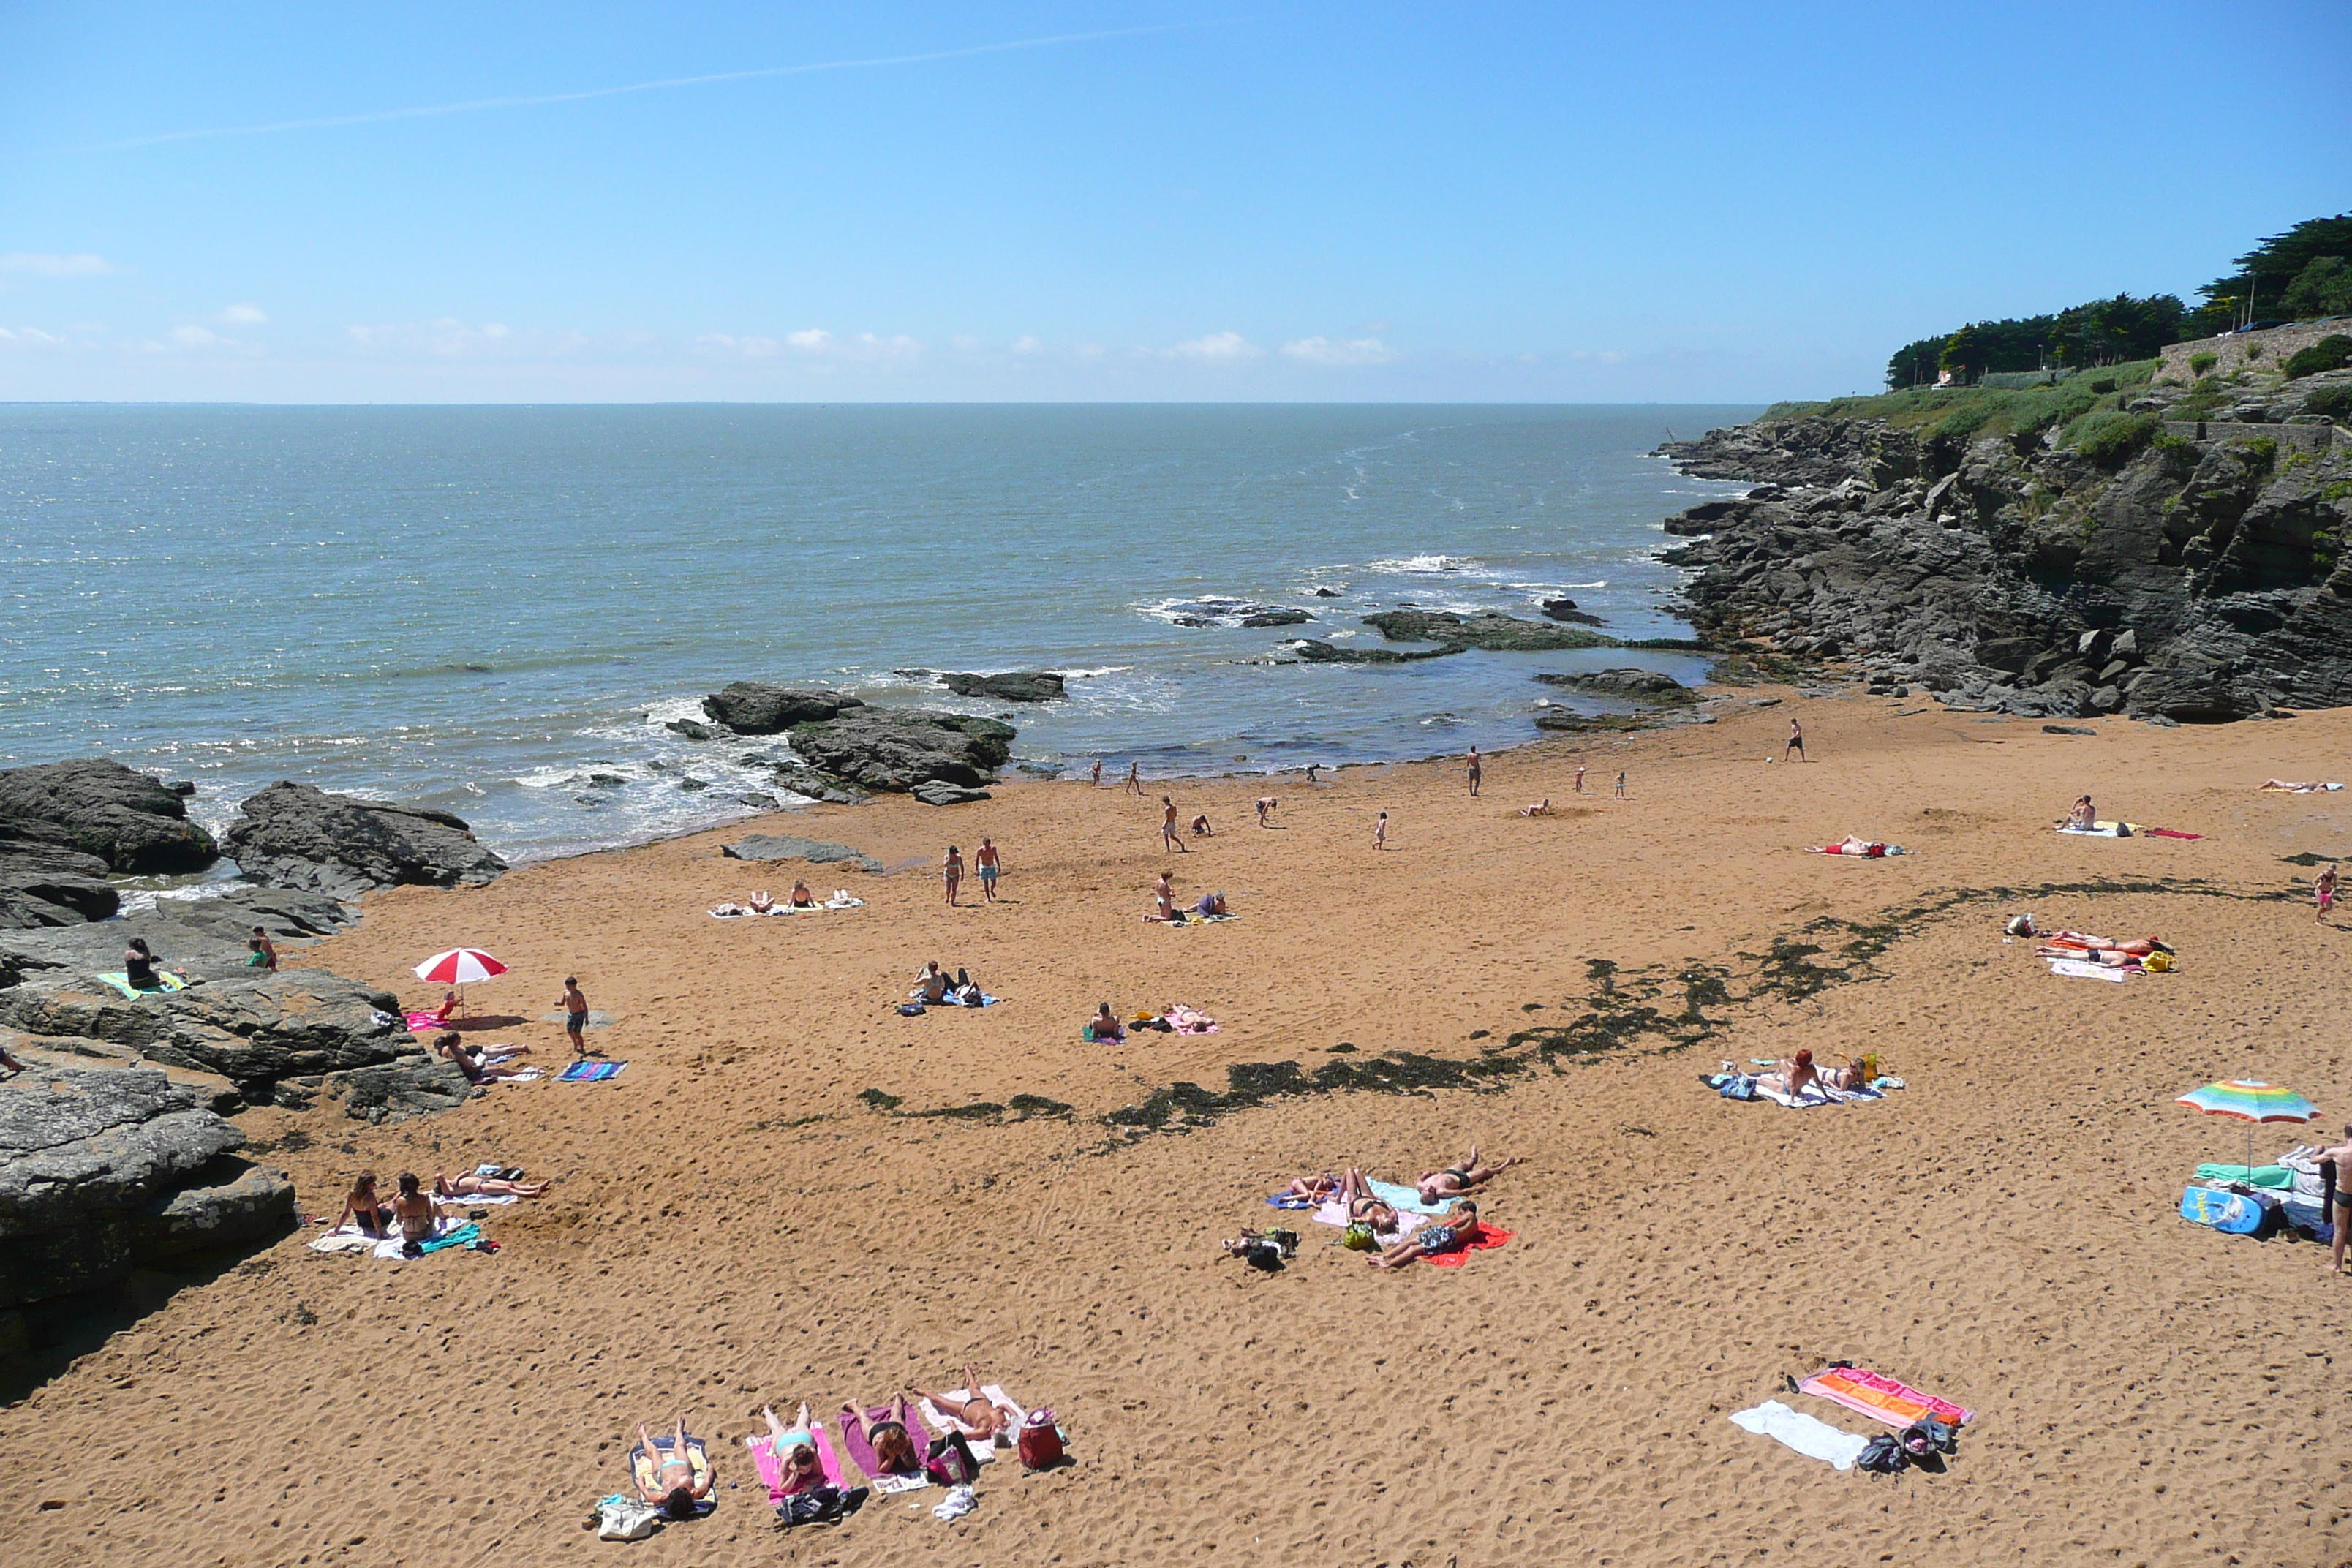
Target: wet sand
(738, 1222)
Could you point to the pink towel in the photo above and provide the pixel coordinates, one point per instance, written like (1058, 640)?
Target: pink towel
(771, 1463)
(861, 1449)
(1880, 1398)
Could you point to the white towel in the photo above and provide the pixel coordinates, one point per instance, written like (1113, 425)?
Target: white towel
(1814, 1439)
(994, 1393)
(2081, 969)
(345, 1239)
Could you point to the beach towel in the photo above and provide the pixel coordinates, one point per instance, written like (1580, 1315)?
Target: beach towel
(527, 1074)
(2082, 969)
(1408, 1221)
(2169, 833)
(164, 982)
(861, 1452)
(1407, 1198)
(771, 1465)
(1483, 1237)
(418, 1023)
(644, 1467)
(941, 1421)
(1814, 1439)
(1874, 852)
(2296, 788)
(344, 1238)
(447, 1234)
(1880, 1398)
(590, 1072)
(2277, 1176)
(1189, 918)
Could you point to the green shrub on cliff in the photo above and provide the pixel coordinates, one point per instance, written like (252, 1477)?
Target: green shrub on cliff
(2331, 353)
(2334, 402)
(2111, 437)
(1980, 410)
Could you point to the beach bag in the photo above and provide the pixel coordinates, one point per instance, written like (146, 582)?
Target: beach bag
(910, 1009)
(1041, 1441)
(618, 1519)
(1884, 1455)
(2156, 963)
(1359, 1238)
(1737, 1086)
(950, 1462)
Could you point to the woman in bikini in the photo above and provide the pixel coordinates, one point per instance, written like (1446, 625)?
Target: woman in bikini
(414, 1210)
(981, 1419)
(674, 1488)
(361, 1207)
(470, 1185)
(1313, 1189)
(1464, 1175)
(1364, 1206)
(891, 1439)
(796, 1455)
(763, 901)
(802, 897)
(453, 1047)
(1163, 897)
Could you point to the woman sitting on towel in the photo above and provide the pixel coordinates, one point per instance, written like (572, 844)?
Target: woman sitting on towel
(674, 1488)
(932, 984)
(802, 897)
(1466, 1175)
(470, 1185)
(894, 1449)
(1792, 1076)
(414, 1210)
(2084, 815)
(363, 1207)
(1103, 1028)
(980, 1418)
(469, 1062)
(1449, 1232)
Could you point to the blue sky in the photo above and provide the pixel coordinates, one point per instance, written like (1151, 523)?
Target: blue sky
(1677, 202)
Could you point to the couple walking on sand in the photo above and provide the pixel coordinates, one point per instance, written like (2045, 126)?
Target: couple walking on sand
(988, 858)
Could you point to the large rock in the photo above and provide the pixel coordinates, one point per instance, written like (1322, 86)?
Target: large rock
(106, 1170)
(203, 936)
(897, 749)
(129, 820)
(1647, 686)
(1489, 630)
(784, 847)
(754, 707)
(44, 883)
(297, 835)
(1019, 686)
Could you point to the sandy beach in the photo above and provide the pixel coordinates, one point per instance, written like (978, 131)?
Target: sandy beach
(795, 1194)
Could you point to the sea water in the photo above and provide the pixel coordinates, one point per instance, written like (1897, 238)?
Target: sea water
(496, 610)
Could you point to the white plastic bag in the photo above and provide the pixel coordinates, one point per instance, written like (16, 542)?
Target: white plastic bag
(618, 1519)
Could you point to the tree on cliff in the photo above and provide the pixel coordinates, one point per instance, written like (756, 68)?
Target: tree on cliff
(2103, 332)
(2302, 273)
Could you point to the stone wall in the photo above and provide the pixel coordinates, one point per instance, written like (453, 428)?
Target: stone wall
(2231, 353)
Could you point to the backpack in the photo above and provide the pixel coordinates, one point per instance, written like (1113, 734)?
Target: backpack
(1041, 1441)
(1884, 1455)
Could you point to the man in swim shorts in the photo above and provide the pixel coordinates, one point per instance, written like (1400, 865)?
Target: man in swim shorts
(1449, 1232)
(575, 1014)
(1473, 773)
(989, 863)
(2339, 1212)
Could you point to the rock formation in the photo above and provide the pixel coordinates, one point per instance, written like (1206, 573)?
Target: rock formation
(754, 707)
(105, 1171)
(1645, 685)
(897, 749)
(297, 835)
(1019, 686)
(96, 806)
(2181, 570)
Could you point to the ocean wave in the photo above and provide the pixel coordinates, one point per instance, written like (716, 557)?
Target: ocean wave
(1425, 565)
(1210, 610)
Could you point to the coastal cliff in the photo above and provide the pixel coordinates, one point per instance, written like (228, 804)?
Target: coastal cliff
(2170, 552)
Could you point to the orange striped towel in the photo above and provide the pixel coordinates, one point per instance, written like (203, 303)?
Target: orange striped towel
(1880, 1398)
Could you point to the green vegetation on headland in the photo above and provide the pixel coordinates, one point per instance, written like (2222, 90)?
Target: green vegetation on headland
(1987, 410)
(2302, 275)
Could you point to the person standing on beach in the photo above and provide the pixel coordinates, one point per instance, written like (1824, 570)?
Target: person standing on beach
(2323, 889)
(1266, 804)
(952, 869)
(1098, 773)
(1134, 778)
(574, 1003)
(1163, 897)
(1621, 784)
(1310, 772)
(989, 863)
(1796, 742)
(2339, 1212)
(1168, 837)
(1381, 832)
(1473, 773)
(1579, 778)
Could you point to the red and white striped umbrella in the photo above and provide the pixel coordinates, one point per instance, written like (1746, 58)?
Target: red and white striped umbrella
(460, 966)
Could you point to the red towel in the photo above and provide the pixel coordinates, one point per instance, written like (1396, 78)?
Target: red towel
(1481, 1241)
(2167, 833)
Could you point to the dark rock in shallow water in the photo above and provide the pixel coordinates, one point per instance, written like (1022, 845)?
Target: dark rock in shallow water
(1488, 630)
(784, 847)
(103, 1171)
(1632, 685)
(1019, 686)
(754, 707)
(897, 749)
(1313, 650)
(691, 729)
(127, 820)
(1277, 618)
(1566, 610)
(1326, 593)
(297, 835)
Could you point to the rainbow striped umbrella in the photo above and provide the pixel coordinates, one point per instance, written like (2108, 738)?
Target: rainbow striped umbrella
(2251, 1102)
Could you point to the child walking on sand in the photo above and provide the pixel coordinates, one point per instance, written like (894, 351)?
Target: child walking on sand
(1620, 784)
(1381, 832)
(2323, 889)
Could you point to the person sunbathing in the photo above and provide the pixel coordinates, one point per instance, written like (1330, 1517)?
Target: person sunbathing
(414, 1210)
(802, 897)
(1540, 808)
(1313, 1189)
(980, 1418)
(1365, 1206)
(1449, 1232)
(1854, 1074)
(2105, 957)
(762, 900)
(471, 1186)
(1210, 904)
(2084, 815)
(674, 1488)
(2293, 786)
(2138, 947)
(1103, 1027)
(1791, 1077)
(1466, 1175)
(891, 1439)
(1855, 844)
(469, 1061)
(364, 1207)
(932, 984)
(796, 1459)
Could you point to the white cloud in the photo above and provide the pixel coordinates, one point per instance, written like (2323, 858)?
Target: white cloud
(810, 340)
(244, 316)
(1026, 344)
(749, 348)
(81, 264)
(1218, 348)
(864, 347)
(1349, 350)
(30, 337)
(194, 337)
(452, 338)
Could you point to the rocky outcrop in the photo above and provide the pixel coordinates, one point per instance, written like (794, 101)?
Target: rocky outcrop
(97, 807)
(1019, 686)
(1566, 610)
(897, 749)
(1489, 630)
(205, 937)
(784, 847)
(297, 835)
(2176, 575)
(1645, 685)
(45, 884)
(754, 707)
(103, 1171)
(1259, 618)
